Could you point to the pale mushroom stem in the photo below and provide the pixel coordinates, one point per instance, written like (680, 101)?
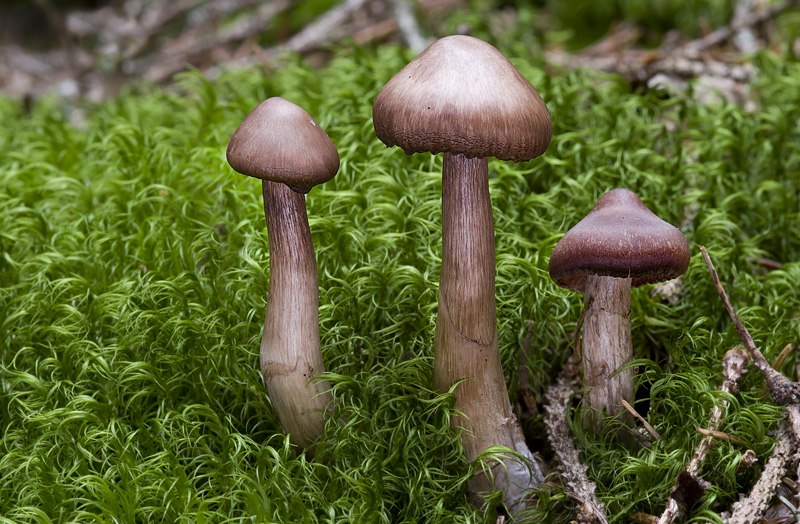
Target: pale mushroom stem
(466, 329)
(290, 347)
(606, 346)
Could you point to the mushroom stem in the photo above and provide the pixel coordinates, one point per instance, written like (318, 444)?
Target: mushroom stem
(466, 330)
(606, 346)
(290, 349)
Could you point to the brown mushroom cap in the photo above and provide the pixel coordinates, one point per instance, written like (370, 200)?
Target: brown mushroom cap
(621, 238)
(462, 96)
(280, 142)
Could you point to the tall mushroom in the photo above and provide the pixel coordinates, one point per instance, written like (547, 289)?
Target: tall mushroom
(463, 98)
(281, 144)
(619, 244)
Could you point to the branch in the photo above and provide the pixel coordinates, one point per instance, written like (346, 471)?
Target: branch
(690, 60)
(726, 32)
(782, 390)
(689, 487)
(752, 508)
(581, 489)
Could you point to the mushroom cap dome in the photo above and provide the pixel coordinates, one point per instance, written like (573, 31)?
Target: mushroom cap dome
(280, 142)
(620, 237)
(462, 96)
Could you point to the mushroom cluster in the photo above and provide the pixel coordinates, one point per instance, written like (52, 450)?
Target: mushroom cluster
(463, 98)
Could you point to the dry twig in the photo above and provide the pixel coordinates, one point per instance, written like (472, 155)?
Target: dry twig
(635, 414)
(671, 64)
(719, 435)
(783, 391)
(753, 507)
(580, 488)
(689, 487)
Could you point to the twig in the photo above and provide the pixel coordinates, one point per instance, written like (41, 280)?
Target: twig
(690, 60)
(581, 489)
(174, 56)
(650, 429)
(752, 508)
(719, 435)
(318, 32)
(689, 487)
(766, 262)
(724, 33)
(409, 28)
(782, 390)
(56, 22)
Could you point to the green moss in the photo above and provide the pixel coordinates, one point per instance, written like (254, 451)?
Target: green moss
(134, 269)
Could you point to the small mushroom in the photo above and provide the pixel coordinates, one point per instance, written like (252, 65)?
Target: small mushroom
(619, 244)
(282, 145)
(463, 98)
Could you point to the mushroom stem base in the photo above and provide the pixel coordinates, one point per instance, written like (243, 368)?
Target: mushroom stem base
(607, 346)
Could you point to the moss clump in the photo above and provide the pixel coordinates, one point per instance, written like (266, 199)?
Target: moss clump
(132, 292)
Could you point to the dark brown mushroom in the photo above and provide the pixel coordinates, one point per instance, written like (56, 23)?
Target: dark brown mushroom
(463, 98)
(619, 244)
(279, 143)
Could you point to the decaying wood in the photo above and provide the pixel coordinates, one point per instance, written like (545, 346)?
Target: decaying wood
(101, 49)
(784, 392)
(752, 508)
(579, 487)
(718, 73)
(689, 487)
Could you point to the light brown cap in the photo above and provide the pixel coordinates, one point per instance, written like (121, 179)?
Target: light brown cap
(462, 96)
(621, 238)
(280, 142)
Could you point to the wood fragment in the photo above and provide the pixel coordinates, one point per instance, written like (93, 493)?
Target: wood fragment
(671, 64)
(577, 483)
(752, 508)
(689, 487)
(749, 460)
(748, 20)
(782, 390)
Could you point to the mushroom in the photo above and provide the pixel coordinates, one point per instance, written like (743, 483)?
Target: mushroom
(463, 98)
(619, 244)
(281, 144)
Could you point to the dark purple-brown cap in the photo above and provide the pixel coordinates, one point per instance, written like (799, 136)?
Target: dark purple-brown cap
(621, 238)
(462, 96)
(280, 142)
